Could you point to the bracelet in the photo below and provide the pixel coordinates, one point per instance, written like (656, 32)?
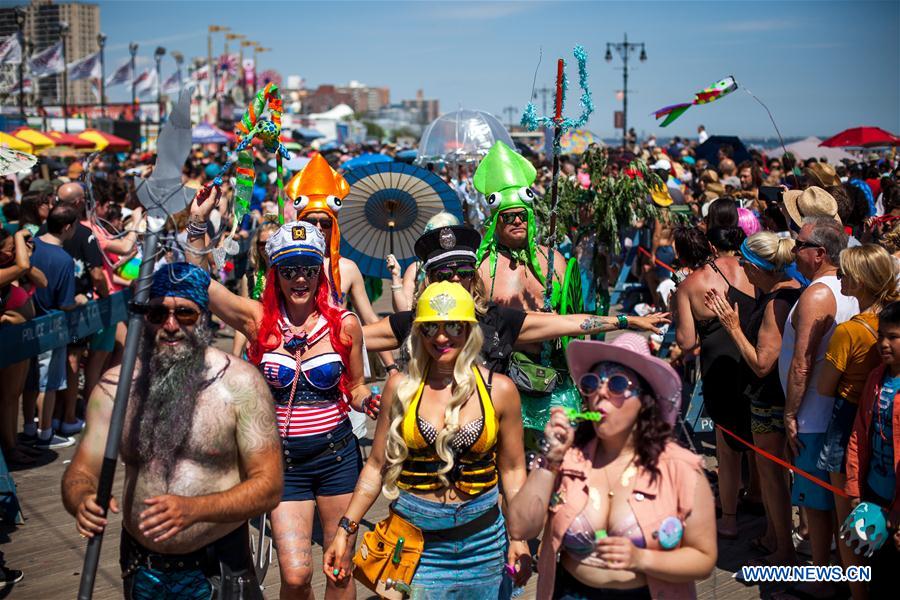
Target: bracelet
(391, 366)
(196, 230)
(347, 525)
(396, 287)
(622, 321)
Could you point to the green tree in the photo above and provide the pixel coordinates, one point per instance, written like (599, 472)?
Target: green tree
(373, 130)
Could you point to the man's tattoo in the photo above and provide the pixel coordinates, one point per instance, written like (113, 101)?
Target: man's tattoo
(256, 417)
(595, 325)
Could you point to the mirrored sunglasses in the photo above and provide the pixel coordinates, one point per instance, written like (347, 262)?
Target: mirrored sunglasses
(450, 328)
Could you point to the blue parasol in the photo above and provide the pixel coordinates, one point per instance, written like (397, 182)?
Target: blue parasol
(364, 160)
(204, 133)
(386, 211)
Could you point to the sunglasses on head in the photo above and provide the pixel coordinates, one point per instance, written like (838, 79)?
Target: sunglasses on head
(451, 328)
(159, 314)
(618, 385)
(509, 218)
(294, 271)
(447, 272)
(323, 223)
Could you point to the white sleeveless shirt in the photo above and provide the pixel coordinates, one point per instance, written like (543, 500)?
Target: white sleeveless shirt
(815, 409)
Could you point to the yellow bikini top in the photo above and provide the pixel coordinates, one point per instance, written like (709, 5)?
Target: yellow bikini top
(474, 447)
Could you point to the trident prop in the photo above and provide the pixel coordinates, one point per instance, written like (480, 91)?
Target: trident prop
(560, 125)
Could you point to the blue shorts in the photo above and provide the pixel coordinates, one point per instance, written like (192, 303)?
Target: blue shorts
(664, 254)
(326, 464)
(833, 457)
(47, 372)
(804, 492)
(104, 340)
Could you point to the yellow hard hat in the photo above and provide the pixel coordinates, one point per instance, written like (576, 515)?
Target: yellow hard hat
(445, 301)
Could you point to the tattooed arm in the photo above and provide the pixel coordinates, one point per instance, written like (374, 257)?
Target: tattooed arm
(79, 482)
(540, 327)
(259, 453)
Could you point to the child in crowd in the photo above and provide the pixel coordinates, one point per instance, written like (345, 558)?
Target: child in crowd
(874, 448)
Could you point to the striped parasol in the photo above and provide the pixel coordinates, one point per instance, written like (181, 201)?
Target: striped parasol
(386, 211)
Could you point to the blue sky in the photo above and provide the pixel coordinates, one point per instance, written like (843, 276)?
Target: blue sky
(820, 66)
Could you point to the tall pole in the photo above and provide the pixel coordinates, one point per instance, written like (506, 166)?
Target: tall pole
(132, 49)
(101, 41)
(20, 22)
(157, 56)
(245, 44)
(239, 38)
(625, 48)
(63, 30)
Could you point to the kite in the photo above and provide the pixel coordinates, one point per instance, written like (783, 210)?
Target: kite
(704, 96)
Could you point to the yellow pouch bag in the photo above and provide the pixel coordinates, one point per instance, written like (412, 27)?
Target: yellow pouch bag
(388, 557)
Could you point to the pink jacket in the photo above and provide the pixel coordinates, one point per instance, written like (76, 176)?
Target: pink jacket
(672, 494)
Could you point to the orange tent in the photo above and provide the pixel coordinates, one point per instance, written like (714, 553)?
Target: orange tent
(105, 141)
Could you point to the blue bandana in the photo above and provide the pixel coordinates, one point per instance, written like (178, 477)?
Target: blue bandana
(182, 280)
(752, 258)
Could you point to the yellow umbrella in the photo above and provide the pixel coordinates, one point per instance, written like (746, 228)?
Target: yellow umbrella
(38, 140)
(95, 136)
(15, 143)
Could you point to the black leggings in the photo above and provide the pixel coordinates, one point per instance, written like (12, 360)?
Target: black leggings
(566, 587)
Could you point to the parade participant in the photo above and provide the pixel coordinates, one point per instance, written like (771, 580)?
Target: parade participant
(626, 512)
(448, 254)
(200, 451)
(449, 432)
(310, 352)
(318, 193)
(807, 412)
(764, 258)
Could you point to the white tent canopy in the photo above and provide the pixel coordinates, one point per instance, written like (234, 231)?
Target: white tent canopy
(809, 148)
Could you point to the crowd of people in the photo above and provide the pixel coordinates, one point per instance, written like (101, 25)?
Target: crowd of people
(496, 428)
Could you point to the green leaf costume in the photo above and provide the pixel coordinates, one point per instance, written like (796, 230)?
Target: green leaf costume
(505, 178)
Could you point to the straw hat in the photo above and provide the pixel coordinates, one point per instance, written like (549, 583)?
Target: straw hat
(811, 202)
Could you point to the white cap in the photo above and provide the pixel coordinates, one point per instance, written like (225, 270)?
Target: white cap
(662, 165)
(296, 240)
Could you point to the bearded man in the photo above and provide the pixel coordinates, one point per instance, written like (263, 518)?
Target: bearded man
(200, 448)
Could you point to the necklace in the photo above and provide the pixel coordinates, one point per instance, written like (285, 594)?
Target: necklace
(624, 480)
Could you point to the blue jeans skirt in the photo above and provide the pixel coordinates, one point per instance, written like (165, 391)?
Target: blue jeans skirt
(469, 569)
(325, 464)
(833, 457)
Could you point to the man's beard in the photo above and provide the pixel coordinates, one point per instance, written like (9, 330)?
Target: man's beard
(170, 381)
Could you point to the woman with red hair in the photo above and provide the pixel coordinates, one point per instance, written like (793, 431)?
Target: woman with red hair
(310, 352)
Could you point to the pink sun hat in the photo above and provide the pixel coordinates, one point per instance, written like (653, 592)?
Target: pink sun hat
(630, 350)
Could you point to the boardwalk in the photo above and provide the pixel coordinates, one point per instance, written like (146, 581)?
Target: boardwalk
(49, 550)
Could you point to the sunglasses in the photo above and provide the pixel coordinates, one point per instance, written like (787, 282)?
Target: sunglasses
(448, 272)
(157, 315)
(801, 244)
(295, 271)
(450, 328)
(509, 218)
(617, 383)
(323, 223)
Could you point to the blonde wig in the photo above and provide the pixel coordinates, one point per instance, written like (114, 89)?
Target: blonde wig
(464, 386)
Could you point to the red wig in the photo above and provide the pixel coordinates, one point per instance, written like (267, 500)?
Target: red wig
(268, 334)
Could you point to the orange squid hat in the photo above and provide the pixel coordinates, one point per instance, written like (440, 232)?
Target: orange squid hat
(319, 188)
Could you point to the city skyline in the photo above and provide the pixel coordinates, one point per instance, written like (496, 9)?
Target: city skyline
(820, 67)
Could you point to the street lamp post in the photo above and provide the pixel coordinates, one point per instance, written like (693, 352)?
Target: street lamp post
(63, 30)
(246, 44)
(179, 60)
(20, 24)
(239, 37)
(625, 48)
(257, 50)
(132, 49)
(213, 66)
(157, 56)
(101, 42)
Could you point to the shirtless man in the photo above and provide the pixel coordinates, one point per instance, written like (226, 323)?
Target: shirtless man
(200, 448)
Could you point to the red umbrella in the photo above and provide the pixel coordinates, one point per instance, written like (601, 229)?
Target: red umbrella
(65, 139)
(862, 137)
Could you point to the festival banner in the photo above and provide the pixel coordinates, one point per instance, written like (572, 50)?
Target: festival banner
(121, 75)
(172, 85)
(47, 62)
(11, 50)
(146, 83)
(85, 68)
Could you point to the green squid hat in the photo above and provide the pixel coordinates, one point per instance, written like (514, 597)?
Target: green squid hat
(505, 177)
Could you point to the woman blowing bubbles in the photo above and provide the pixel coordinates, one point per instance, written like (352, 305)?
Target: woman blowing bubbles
(631, 514)
(446, 433)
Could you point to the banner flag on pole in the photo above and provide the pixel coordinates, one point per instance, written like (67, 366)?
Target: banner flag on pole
(121, 75)
(47, 62)
(11, 50)
(85, 68)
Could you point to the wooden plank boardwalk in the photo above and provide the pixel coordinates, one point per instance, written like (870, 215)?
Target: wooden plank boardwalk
(50, 552)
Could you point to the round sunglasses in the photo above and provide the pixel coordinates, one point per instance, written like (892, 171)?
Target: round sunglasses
(618, 385)
(448, 272)
(159, 314)
(450, 328)
(304, 271)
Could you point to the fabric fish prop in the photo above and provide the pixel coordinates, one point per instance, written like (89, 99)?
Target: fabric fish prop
(319, 188)
(705, 96)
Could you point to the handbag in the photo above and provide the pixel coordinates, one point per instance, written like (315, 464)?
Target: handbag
(388, 557)
(531, 377)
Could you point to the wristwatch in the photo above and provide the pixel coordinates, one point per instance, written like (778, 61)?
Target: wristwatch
(392, 366)
(347, 525)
